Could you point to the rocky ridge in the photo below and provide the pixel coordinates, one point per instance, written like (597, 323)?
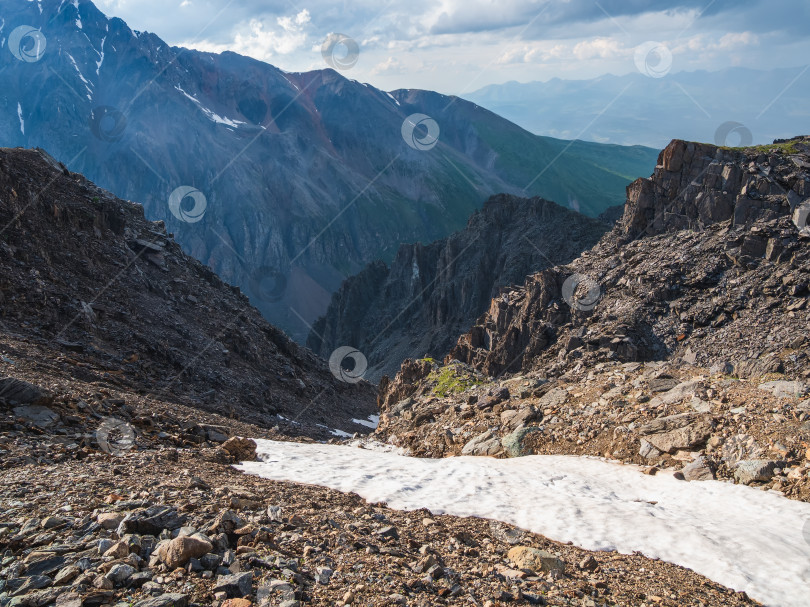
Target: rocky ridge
(660, 346)
(93, 295)
(433, 293)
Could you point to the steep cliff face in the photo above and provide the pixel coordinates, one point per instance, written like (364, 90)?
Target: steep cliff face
(710, 259)
(93, 294)
(306, 177)
(432, 293)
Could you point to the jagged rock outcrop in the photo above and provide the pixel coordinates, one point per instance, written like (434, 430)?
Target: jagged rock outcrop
(680, 342)
(94, 292)
(707, 259)
(432, 293)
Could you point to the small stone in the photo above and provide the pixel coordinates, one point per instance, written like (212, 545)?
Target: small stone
(119, 550)
(754, 470)
(165, 600)
(235, 586)
(647, 450)
(388, 532)
(588, 563)
(241, 449)
(110, 520)
(66, 575)
(104, 545)
(699, 470)
(324, 575)
(525, 557)
(236, 603)
(513, 443)
(50, 522)
(119, 573)
(102, 583)
(177, 552)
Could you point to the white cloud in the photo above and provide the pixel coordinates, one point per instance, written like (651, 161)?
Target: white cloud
(602, 48)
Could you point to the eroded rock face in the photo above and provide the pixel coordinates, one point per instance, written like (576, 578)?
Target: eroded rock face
(696, 185)
(705, 259)
(432, 293)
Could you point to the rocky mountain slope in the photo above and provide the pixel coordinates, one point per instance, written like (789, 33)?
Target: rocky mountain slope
(94, 294)
(680, 340)
(432, 293)
(301, 179)
(130, 372)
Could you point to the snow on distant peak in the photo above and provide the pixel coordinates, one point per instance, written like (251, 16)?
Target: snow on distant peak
(19, 115)
(86, 82)
(100, 56)
(210, 114)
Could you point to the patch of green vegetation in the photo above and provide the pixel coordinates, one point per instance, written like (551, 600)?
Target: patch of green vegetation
(789, 147)
(452, 379)
(428, 359)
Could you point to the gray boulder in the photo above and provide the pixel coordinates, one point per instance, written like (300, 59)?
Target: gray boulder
(754, 471)
(485, 443)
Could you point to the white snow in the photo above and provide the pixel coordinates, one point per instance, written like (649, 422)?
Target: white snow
(100, 56)
(19, 115)
(372, 422)
(78, 18)
(341, 433)
(393, 98)
(84, 80)
(746, 539)
(213, 116)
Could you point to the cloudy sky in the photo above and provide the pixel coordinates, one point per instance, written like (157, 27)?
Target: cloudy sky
(457, 46)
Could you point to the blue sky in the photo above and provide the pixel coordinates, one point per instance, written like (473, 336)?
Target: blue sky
(457, 46)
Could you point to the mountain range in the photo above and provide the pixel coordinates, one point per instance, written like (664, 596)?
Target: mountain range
(283, 183)
(733, 106)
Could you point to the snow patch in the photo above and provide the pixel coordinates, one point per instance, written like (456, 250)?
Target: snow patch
(210, 114)
(372, 422)
(84, 80)
(392, 98)
(100, 56)
(341, 433)
(19, 115)
(746, 539)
